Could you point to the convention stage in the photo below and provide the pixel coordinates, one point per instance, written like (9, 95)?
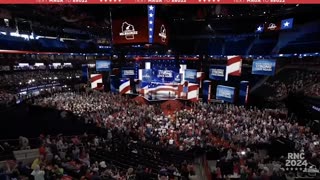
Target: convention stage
(169, 91)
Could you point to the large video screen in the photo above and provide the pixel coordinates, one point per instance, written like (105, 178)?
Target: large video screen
(160, 75)
(264, 67)
(191, 75)
(103, 65)
(128, 73)
(225, 93)
(130, 30)
(217, 73)
(164, 75)
(134, 30)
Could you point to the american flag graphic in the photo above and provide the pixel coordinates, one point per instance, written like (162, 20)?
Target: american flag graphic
(233, 66)
(124, 87)
(96, 80)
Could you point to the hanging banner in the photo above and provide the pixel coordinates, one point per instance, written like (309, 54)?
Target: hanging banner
(217, 73)
(206, 91)
(114, 84)
(191, 75)
(85, 73)
(124, 87)
(243, 92)
(225, 93)
(96, 81)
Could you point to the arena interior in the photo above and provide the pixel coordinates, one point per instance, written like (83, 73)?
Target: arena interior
(147, 92)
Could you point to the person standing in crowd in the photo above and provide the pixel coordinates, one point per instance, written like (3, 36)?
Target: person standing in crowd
(38, 173)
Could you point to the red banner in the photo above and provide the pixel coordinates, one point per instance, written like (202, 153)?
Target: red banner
(159, 2)
(134, 30)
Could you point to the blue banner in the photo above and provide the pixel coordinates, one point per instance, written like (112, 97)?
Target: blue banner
(225, 93)
(206, 91)
(243, 92)
(151, 17)
(103, 65)
(190, 75)
(128, 73)
(264, 67)
(85, 73)
(114, 84)
(217, 73)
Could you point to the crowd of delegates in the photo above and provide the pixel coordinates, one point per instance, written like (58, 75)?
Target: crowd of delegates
(222, 126)
(292, 83)
(314, 90)
(93, 107)
(6, 99)
(70, 157)
(14, 80)
(185, 129)
(228, 128)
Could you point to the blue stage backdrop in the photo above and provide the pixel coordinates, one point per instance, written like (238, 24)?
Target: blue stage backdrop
(160, 75)
(147, 75)
(243, 92)
(164, 75)
(264, 67)
(191, 75)
(85, 73)
(103, 65)
(225, 93)
(128, 73)
(217, 73)
(206, 91)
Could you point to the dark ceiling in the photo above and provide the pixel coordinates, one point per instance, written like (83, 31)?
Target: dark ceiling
(172, 13)
(186, 21)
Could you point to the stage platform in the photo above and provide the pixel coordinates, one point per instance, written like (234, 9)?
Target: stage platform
(157, 97)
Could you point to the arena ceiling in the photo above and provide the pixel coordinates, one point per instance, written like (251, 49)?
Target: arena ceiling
(99, 15)
(187, 22)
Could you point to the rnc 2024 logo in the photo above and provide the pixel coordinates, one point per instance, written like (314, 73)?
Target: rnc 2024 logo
(297, 162)
(128, 31)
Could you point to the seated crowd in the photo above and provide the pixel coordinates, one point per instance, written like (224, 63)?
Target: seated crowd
(6, 99)
(314, 90)
(118, 154)
(293, 83)
(198, 126)
(35, 78)
(87, 157)
(220, 126)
